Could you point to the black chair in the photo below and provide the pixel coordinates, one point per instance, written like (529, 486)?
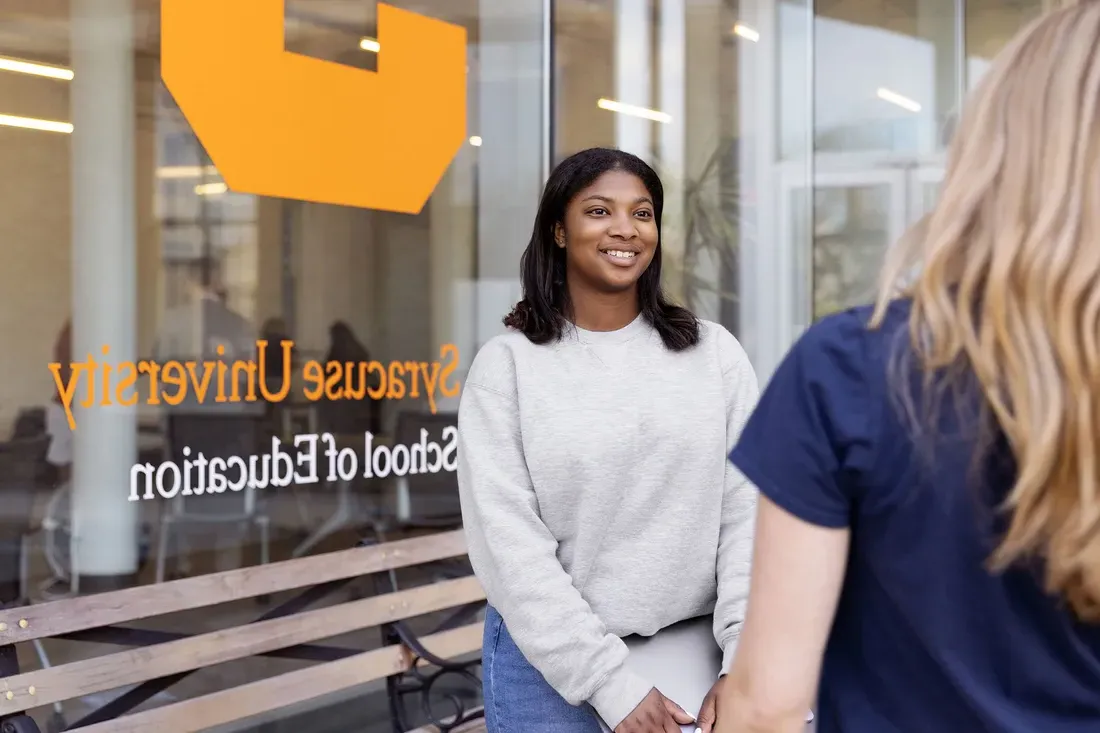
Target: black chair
(215, 434)
(427, 500)
(21, 462)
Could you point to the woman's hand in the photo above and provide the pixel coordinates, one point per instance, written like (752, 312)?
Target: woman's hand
(708, 713)
(655, 714)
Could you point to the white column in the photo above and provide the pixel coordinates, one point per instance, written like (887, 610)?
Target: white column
(705, 97)
(510, 163)
(105, 540)
(942, 24)
(633, 63)
(671, 140)
(766, 329)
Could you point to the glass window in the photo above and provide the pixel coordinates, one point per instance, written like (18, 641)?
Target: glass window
(989, 26)
(118, 220)
(889, 83)
(666, 80)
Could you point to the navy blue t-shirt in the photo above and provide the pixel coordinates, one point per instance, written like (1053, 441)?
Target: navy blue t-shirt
(926, 639)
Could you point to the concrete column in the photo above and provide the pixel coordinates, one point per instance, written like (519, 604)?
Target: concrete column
(511, 159)
(633, 69)
(105, 523)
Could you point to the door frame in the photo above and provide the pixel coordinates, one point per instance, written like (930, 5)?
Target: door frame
(795, 255)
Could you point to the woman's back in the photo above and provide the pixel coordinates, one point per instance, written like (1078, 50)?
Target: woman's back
(924, 632)
(929, 522)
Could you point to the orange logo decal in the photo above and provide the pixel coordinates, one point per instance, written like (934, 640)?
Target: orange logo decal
(282, 124)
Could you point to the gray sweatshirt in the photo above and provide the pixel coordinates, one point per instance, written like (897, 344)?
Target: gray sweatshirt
(598, 500)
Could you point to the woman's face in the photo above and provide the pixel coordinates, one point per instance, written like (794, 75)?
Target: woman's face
(609, 233)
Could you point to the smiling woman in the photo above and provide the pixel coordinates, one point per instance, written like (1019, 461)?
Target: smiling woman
(583, 550)
(612, 219)
(599, 230)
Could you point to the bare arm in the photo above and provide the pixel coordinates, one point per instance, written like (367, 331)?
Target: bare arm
(798, 569)
(735, 539)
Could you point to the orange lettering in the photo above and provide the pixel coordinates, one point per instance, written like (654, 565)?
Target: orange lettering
(355, 390)
(376, 393)
(448, 353)
(333, 390)
(249, 369)
(397, 386)
(106, 399)
(430, 372)
(411, 367)
(127, 382)
(172, 373)
(200, 387)
(312, 372)
(90, 365)
(261, 347)
(153, 370)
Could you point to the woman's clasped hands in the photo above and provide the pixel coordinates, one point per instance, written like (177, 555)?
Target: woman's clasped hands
(655, 714)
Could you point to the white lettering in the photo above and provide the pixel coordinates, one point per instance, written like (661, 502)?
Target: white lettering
(218, 482)
(239, 463)
(330, 454)
(281, 460)
(279, 468)
(450, 453)
(383, 470)
(172, 468)
(347, 463)
(401, 460)
(420, 450)
(309, 459)
(136, 473)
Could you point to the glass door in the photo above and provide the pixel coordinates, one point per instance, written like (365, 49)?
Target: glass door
(924, 185)
(849, 218)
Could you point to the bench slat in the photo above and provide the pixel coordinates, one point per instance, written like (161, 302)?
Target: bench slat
(56, 684)
(65, 616)
(291, 688)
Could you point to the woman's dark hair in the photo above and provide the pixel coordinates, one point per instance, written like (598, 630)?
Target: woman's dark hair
(544, 311)
(343, 345)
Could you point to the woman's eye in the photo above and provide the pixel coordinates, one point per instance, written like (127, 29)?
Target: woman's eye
(645, 214)
(598, 212)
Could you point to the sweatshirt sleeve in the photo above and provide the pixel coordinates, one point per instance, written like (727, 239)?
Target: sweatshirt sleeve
(738, 505)
(514, 556)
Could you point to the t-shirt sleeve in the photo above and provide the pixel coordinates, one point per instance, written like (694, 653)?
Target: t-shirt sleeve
(809, 438)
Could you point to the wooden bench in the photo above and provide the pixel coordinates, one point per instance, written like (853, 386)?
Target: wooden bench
(410, 665)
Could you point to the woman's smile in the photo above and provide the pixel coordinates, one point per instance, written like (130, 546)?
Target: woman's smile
(620, 256)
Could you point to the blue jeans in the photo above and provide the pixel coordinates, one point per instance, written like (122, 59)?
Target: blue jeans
(518, 698)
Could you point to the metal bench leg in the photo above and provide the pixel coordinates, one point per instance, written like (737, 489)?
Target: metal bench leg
(44, 660)
(162, 548)
(265, 538)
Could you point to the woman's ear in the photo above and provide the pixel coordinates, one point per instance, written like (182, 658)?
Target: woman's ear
(559, 235)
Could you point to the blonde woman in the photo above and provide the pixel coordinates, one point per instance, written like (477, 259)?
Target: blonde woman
(927, 550)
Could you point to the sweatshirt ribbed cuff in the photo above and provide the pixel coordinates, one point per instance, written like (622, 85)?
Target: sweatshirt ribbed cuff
(728, 652)
(619, 694)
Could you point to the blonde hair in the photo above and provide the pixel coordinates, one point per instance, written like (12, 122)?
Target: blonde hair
(1004, 282)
